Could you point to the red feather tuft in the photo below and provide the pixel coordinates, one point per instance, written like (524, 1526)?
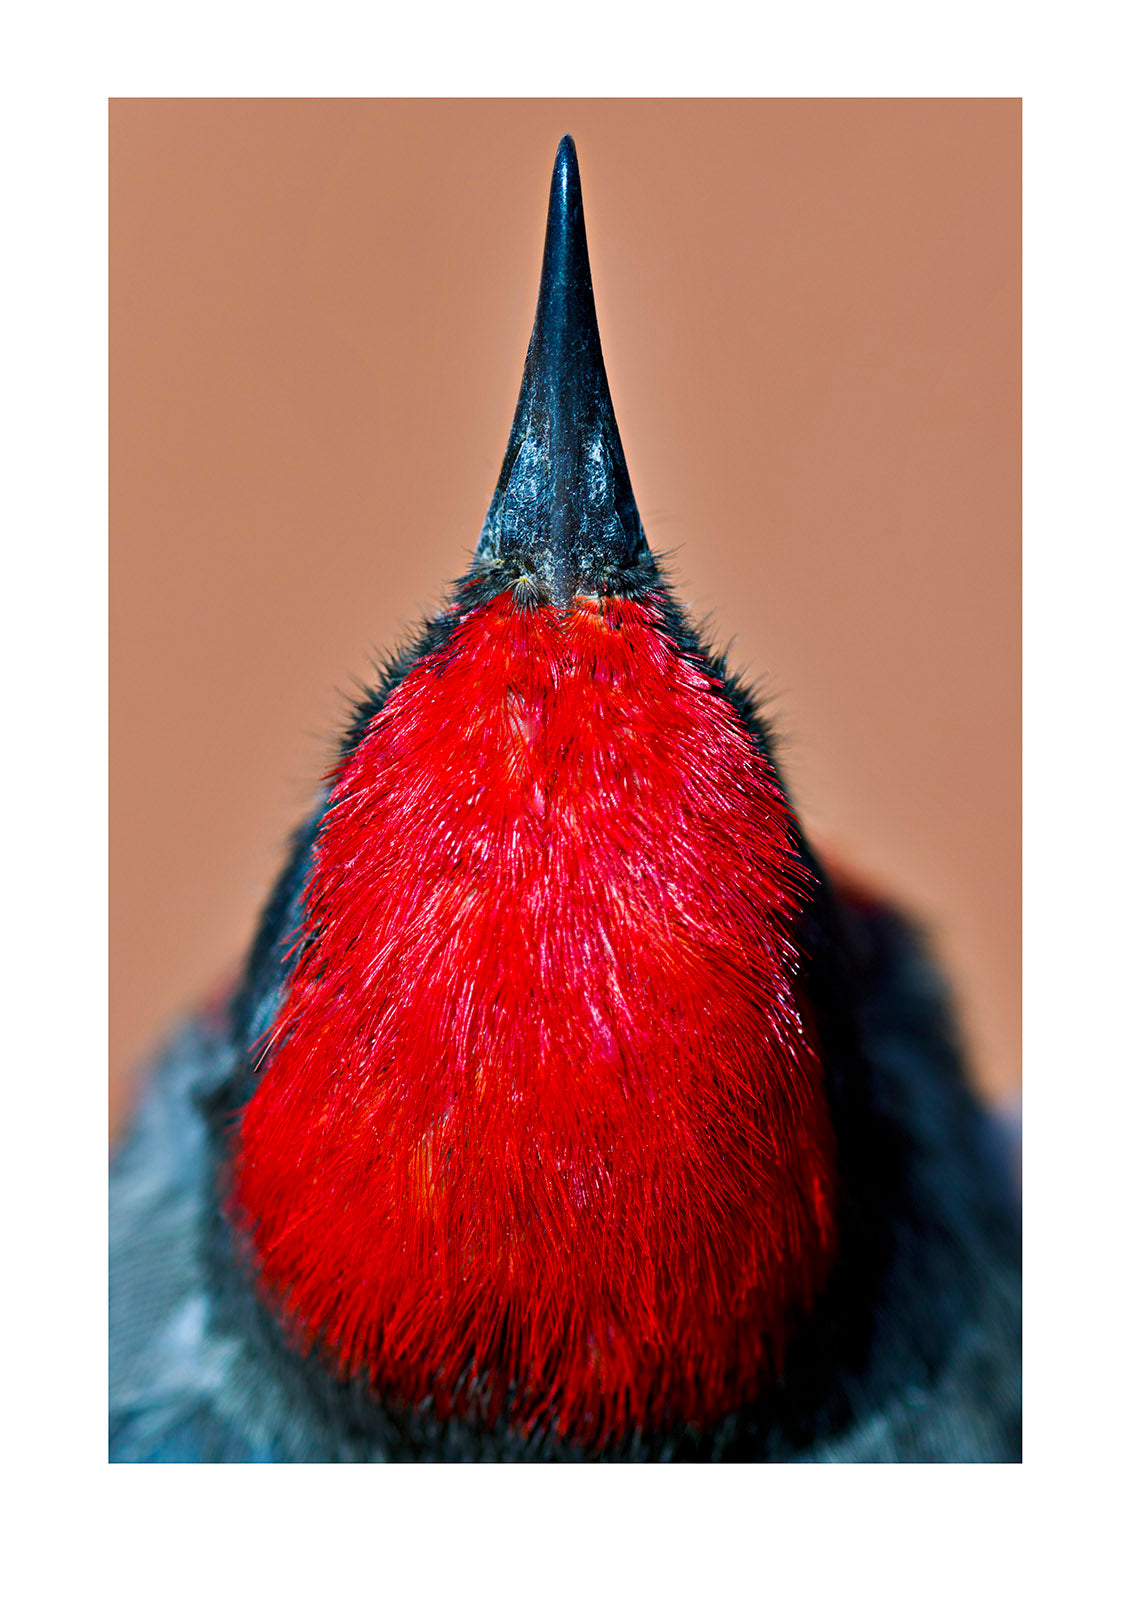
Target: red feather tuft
(542, 1134)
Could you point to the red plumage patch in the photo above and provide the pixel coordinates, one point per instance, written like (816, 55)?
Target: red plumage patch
(541, 1132)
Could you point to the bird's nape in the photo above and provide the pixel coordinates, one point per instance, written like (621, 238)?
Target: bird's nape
(542, 1119)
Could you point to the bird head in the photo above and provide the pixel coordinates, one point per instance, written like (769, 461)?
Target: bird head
(537, 1127)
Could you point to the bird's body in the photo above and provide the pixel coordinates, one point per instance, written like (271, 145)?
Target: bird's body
(566, 1109)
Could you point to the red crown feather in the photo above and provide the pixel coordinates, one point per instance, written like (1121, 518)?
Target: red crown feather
(542, 1131)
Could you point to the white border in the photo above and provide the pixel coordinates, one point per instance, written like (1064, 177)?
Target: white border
(632, 1531)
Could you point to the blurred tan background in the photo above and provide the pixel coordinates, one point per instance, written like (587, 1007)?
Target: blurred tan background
(811, 321)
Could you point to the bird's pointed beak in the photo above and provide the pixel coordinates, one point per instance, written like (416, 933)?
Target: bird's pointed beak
(563, 517)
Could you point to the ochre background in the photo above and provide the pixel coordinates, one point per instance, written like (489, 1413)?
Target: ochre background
(810, 312)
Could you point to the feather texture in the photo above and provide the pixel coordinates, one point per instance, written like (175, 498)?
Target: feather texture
(541, 1128)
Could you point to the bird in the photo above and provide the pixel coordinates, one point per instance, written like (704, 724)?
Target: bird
(570, 1106)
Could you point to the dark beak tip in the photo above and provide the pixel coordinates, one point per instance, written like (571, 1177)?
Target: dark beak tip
(567, 174)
